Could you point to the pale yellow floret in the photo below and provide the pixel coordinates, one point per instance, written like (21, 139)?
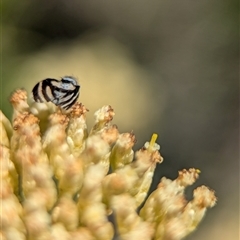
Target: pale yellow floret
(5, 130)
(129, 224)
(110, 134)
(55, 144)
(77, 129)
(96, 151)
(59, 232)
(19, 102)
(102, 118)
(30, 160)
(8, 172)
(11, 210)
(91, 190)
(122, 152)
(37, 223)
(12, 233)
(71, 180)
(134, 177)
(144, 166)
(168, 210)
(66, 213)
(92, 212)
(82, 233)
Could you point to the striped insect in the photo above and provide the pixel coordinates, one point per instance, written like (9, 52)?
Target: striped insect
(63, 93)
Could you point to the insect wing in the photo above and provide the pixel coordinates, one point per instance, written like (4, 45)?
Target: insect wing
(70, 99)
(63, 93)
(43, 91)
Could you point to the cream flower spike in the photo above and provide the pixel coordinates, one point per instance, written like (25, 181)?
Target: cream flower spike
(60, 182)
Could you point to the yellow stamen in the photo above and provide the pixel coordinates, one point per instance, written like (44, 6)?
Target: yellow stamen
(153, 140)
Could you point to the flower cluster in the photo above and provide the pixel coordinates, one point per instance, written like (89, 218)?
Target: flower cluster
(60, 180)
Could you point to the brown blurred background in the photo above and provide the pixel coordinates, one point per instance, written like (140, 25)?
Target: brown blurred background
(169, 67)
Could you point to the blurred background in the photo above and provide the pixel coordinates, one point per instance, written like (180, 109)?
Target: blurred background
(169, 67)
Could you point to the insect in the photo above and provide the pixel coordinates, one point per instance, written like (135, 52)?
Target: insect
(63, 93)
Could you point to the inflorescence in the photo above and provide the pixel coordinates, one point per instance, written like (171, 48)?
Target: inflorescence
(60, 180)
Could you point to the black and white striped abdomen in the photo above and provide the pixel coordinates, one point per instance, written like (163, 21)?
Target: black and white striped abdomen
(63, 93)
